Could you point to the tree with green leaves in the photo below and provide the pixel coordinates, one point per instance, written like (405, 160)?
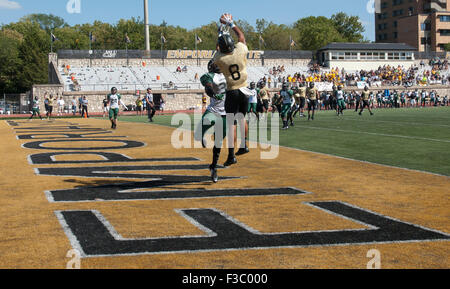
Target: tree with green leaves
(33, 55)
(24, 45)
(47, 22)
(316, 32)
(349, 27)
(9, 58)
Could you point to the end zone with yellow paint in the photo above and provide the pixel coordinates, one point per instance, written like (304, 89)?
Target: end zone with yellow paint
(127, 199)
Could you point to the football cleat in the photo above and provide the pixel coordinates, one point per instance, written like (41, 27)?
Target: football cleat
(230, 162)
(214, 176)
(242, 151)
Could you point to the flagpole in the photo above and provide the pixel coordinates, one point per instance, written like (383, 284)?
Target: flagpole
(290, 48)
(51, 41)
(260, 41)
(126, 47)
(196, 48)
(90, 49)
(162, 58)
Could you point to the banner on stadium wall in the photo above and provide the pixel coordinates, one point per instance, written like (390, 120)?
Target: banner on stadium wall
(205, 54)
(361, 84)
(324, 86)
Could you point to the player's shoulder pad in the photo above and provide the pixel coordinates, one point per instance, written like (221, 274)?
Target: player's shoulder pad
(206, 78)
(242, 46)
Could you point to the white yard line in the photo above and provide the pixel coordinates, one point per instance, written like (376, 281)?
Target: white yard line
(398, 122)
(373, 133)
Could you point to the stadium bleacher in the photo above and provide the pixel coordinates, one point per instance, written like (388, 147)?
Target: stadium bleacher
(167, 77)
(139, 78)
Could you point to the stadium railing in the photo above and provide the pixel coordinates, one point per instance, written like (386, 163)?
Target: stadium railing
(130, 87)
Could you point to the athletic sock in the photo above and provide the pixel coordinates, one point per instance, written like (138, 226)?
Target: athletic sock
(231, 153)
(216, 155)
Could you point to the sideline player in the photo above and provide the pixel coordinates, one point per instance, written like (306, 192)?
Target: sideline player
(35, 109)
(365, 98)
(151, 110)
(114, 99)
(231, 59)
(313, 95)
(301, 100)
(286, 96)
(339, 95)
(253, 100)
(215, 87)
(265, 97)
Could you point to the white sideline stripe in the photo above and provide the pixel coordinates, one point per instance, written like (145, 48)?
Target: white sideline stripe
(374, 133)
(366, 162)
(398, 122)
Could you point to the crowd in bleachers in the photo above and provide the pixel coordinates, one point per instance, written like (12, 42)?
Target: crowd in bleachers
(436, 71)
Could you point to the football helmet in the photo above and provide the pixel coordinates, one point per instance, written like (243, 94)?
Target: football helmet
(212, 67)
(225, 43)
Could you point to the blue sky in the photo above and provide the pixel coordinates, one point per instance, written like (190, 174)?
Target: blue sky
(189, 14)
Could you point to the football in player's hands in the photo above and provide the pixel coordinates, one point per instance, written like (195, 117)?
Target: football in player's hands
(226, 19)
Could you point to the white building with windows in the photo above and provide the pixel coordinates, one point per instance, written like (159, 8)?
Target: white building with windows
(366, 56)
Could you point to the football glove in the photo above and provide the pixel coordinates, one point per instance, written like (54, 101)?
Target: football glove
(228, 20)
(220, 96)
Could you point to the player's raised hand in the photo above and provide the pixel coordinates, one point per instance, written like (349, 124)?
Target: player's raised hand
(227, 19)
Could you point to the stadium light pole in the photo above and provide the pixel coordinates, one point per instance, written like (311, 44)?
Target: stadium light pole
(147, 28)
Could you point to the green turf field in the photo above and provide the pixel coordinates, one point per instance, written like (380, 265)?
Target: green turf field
(414, 138)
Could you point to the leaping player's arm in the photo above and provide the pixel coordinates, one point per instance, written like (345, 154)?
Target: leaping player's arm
(239, 34)
(227, 19)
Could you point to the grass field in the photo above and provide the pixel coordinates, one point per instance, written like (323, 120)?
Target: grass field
(414, 138)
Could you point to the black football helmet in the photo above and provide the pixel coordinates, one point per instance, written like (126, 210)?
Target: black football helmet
(212, 67)
(252, 85)
(226, 43)
(311, 85)
(114, 90)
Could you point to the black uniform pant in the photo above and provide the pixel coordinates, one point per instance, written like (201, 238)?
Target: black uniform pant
(84, 111)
